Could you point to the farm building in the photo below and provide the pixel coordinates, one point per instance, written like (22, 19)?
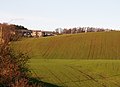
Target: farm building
(47, 33)
(38, 33)
(35, 33)
(25, 33)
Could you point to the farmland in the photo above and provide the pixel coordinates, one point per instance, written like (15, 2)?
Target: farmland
(103, 45)
(77, 73)
(75, 60)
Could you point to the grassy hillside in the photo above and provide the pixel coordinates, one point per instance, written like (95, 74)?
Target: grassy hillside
(57, 60)
(77, 73)
(102, 45)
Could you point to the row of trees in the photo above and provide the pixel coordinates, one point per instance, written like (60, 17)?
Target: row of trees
(79, 30)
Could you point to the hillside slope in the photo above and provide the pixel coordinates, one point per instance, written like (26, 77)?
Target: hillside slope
(102, 45)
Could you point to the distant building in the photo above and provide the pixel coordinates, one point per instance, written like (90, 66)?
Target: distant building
(25, 33)
(59, 30)
(36, 33)
(39, 33)
(107, 30)
(47, 33)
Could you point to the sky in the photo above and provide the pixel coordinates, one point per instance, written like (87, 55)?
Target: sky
(52, 14)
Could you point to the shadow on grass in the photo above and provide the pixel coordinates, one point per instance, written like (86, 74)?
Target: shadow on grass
(36, 81)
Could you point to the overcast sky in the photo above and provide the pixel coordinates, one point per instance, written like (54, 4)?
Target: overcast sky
(52, 14)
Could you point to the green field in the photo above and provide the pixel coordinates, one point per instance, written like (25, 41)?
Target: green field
(76, 60)
(103, 45)
(77, 73)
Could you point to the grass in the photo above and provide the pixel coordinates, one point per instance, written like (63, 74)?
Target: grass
(103, 45)
(76, 60)
(77, 73)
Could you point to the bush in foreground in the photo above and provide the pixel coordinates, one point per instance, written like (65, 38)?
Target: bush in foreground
(13, 69)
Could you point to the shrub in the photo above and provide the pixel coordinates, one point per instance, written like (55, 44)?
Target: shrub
(12, 67)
